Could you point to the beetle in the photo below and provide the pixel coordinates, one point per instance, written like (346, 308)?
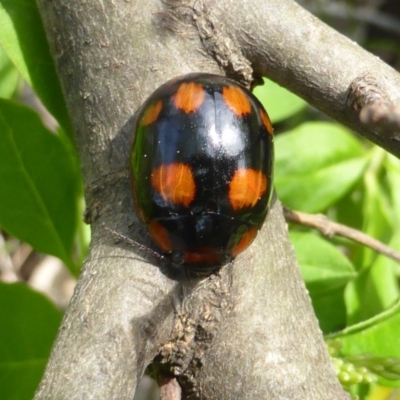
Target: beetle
(202, 168)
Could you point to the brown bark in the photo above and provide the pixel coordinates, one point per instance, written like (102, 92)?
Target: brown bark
(249, 331)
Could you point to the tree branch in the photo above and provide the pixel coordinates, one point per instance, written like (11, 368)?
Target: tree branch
(330, 228)
(292, 47)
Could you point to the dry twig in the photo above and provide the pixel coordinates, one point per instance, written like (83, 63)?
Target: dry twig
(329, 228)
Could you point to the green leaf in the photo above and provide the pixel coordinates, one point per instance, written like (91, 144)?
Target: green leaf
(374, 290)
(23, 38)
(39, 187)
(323, 266)
(317, 164)
(392, 165)
(379, 336)
(8, 76)
(330, 310)
(279, 102)
(29, 324)
(348, 210)
(376, 207)
(325, 271)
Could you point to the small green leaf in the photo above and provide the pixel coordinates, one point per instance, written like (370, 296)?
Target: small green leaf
(325, 271)
(279, 102)
(8, 76)
(29, 324)
(317, 164)
(39, 187)
(23, 38)
(323, 266)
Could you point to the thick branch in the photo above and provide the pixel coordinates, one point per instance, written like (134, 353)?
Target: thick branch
(289, 45)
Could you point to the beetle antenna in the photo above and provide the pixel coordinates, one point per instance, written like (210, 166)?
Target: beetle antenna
(134, 243)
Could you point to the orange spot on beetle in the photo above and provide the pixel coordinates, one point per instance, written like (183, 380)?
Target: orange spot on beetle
(236, 100)
(175, 183)
(202, 255)
(267, 122)
(246, 188)
(160, 236)
(151, 114)
(189, 97)
(245, 241)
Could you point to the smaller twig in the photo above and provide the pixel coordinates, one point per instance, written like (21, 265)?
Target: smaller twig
(133, 243)
(329, 228)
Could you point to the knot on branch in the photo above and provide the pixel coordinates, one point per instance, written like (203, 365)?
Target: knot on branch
(195, 328)
(180, 17)
(385, 116)
(362, 91)
(366, 97)
(220, 45)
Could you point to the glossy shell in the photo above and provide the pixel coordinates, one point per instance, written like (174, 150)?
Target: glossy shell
(202, 167)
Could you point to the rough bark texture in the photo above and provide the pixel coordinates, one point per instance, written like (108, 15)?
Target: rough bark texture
(249, 331)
